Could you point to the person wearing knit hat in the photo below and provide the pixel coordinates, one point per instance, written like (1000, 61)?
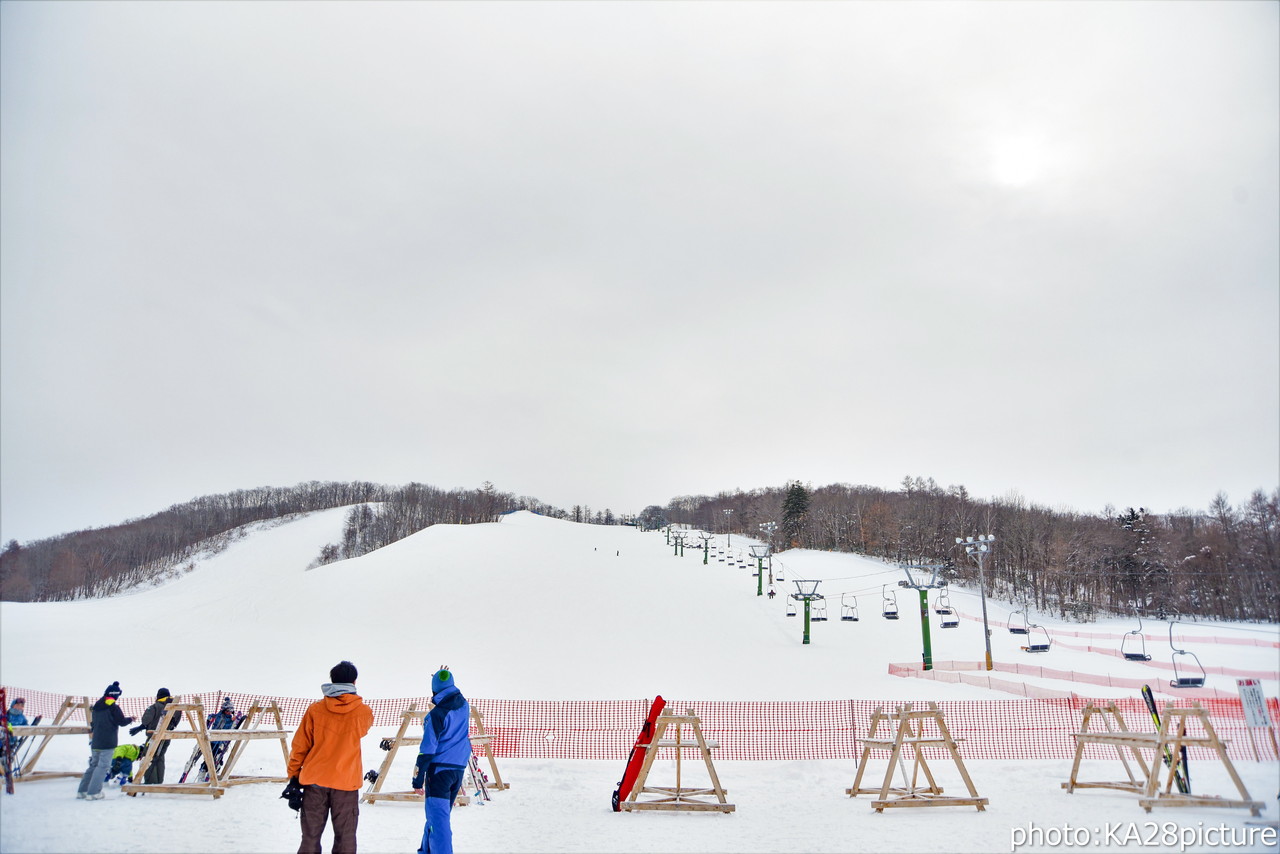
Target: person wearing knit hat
(104, 722)
(442, 759)
(151, 719)
(325, 761)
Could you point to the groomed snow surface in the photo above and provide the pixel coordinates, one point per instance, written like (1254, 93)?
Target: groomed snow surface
(536, 608)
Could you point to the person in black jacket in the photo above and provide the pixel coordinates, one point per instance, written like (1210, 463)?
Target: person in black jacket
(150, 722)
(105, 724)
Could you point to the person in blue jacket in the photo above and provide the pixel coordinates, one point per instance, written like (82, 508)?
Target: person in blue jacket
(442, 760)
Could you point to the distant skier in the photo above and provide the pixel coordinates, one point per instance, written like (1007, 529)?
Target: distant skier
(106, 719)
(442, 760)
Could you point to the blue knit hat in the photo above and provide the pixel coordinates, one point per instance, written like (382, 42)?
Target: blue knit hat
(441, 679)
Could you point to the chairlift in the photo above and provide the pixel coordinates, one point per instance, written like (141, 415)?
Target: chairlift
(778, 574)
(889, 603)
(1183, 676)
(950, 619)
(1023, 629)
(818, 611)
(943, 603)
(1038, 647)
(1137, 649)
(791, 607)
(848, 612)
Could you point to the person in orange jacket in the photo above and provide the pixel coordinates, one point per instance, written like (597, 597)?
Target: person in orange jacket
(326, 762)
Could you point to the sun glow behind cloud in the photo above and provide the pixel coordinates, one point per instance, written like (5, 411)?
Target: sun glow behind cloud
(1022, 159)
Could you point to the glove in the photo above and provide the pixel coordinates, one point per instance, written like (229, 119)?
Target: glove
(420, 771)
(135, 730)
(293, 794)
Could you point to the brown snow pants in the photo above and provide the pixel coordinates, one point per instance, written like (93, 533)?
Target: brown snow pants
(318, 804)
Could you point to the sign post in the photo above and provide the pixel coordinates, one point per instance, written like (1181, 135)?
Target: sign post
(1255, 713)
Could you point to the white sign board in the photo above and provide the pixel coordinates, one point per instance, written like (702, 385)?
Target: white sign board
(1255, 705)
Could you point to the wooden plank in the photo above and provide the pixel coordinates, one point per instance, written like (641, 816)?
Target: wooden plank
(41, 729)
(173, 789)
(683, 806)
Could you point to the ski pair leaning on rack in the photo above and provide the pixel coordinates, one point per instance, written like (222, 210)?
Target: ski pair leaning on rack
(1181, 774)
(216, 721)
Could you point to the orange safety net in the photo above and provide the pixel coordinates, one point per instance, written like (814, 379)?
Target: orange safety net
(1030, 728)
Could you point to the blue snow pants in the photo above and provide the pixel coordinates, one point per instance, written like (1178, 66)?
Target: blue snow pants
(443, 783)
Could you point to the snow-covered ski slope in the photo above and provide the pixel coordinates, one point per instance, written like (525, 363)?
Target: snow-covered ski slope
(534, 608)
(539, 608)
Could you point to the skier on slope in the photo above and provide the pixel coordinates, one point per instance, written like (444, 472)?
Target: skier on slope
(105, 722)
(442, 760)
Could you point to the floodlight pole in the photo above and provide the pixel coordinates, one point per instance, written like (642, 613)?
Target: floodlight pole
(923, 589)
(728, 528)
(980, 546)
(706, 547)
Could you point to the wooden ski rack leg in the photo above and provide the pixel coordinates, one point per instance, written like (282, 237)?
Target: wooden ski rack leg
(1173, 736)
(251, 730)
(1121, 738)
(483, 738)
(910, 732)
(60, 726)
(404, 737)
(218, 780)
(678, 797)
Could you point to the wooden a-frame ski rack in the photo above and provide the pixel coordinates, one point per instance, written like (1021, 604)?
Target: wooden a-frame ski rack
(60, 726)
(678, 798)
(219, 778)
(1172, 738)
(373, 793)
(1122, 738)
(910, 732)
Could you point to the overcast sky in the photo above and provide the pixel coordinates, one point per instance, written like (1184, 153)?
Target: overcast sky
(611, 253)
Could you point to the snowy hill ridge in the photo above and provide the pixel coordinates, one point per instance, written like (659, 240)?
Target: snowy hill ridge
(533, 607)
(557, 617)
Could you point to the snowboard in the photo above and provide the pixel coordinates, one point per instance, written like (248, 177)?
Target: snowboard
(636, 758)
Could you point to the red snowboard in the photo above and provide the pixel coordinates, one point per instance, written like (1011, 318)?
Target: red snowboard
(636, 759)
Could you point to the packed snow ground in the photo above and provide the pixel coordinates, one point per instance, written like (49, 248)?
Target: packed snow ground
(536, 608)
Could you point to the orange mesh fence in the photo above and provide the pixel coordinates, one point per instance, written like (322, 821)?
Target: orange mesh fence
(1032, 728)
